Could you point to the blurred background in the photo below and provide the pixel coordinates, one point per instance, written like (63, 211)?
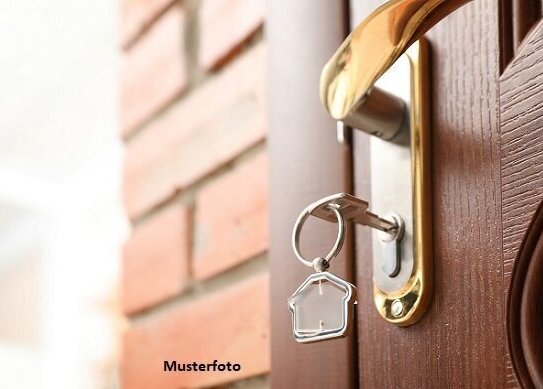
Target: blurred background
(133, 195)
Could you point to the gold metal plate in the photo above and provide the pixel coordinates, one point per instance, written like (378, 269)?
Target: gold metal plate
(404, 300)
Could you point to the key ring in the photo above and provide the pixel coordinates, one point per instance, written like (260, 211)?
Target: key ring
(298, 228)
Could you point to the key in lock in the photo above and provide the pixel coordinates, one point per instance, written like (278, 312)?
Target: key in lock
(390, 228)
(323, 306)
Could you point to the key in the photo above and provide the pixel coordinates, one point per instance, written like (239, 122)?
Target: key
(323, 305)
(354, 209)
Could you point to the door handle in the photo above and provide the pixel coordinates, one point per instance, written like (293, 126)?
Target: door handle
(347, 85)
(400, 176)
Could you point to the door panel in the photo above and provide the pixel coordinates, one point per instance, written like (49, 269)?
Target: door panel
(461, 340)
(521, 116)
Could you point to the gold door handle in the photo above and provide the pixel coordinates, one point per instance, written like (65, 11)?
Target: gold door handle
(372, 47)
(347, 90)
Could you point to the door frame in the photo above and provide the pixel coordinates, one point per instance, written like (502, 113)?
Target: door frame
(306, 163)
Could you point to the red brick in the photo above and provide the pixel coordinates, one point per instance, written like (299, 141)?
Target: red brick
(224, 25)
(136, 15)
(232, 325)
(231, 221)
(155, 261)
(199, 134)
(153, 71)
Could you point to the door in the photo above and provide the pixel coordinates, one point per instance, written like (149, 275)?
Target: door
(487, 145)
(484, 325)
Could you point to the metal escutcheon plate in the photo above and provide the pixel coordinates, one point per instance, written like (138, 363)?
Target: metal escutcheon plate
(401, 182)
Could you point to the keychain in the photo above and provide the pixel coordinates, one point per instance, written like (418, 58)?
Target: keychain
(323, 305)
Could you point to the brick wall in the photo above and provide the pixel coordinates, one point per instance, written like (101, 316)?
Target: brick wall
(195, 280)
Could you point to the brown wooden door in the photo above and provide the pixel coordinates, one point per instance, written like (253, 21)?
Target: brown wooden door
(487, 126)
(484, 326)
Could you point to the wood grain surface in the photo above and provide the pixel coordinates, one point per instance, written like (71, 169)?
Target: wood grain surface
(461, 340)
(521, 116)
(525, 307)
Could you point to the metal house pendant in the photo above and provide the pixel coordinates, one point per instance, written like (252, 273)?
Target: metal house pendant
(322, 308)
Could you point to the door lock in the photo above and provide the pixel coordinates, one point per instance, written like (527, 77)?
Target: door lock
(390, 228)
(402, 267)
(389, 45)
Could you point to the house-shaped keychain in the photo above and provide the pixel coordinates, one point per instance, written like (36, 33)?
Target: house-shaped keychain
(322, 308)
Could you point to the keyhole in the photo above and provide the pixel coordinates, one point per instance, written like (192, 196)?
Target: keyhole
(321, 293)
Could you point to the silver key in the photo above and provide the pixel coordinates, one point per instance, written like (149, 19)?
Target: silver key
(323, 306)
